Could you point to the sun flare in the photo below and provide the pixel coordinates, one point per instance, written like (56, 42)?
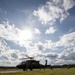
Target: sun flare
(26, 34)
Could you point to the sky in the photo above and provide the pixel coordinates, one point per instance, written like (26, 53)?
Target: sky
(43, 29)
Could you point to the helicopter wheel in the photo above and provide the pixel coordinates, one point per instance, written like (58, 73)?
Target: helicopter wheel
(31, 69)
(23, 69)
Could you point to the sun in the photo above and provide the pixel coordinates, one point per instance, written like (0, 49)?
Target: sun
(26, 35)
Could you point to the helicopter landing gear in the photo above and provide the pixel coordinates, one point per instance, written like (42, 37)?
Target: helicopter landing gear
(23, 69)
(31, 69)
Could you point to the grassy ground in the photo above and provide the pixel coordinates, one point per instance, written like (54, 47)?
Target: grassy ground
(45, 72)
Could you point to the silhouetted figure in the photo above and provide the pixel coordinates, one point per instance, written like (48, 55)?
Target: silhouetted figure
(45, 62)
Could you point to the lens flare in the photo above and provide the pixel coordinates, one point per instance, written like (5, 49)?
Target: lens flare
(26, 35)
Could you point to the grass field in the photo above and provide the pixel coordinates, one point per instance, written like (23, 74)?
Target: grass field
(45, 72)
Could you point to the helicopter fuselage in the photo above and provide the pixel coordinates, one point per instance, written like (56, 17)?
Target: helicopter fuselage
(30, 64)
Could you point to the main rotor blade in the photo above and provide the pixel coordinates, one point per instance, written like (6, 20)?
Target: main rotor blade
(23, 58)
(29, 57)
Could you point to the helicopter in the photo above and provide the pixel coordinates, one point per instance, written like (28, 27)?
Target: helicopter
(30, 64)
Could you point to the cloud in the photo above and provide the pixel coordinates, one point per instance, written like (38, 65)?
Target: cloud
(8, 55)
(16, 35)
(48, 14)
(49, 44)
(67, 40)
(37, 31)
(11, 33)
(67, 56)
(53, 10)
(8, 32)
(3, 45)
(40, 47)
(50, 30)
(3, 58)
(52, 56)
(14, 55)
(36, 49)
(68, 4)
(67, 44)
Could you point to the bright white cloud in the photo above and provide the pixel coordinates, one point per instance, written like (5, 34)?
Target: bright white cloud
(68, 4)
(53, 10)
(8, 32)
(37, 31)
(42, 14)
(67, 40)
(50, 30)
(49, 44)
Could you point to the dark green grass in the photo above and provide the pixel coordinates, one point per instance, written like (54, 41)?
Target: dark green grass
(45, 72)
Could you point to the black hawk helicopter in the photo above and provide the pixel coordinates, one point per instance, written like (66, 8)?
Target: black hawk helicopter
(30, 64)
